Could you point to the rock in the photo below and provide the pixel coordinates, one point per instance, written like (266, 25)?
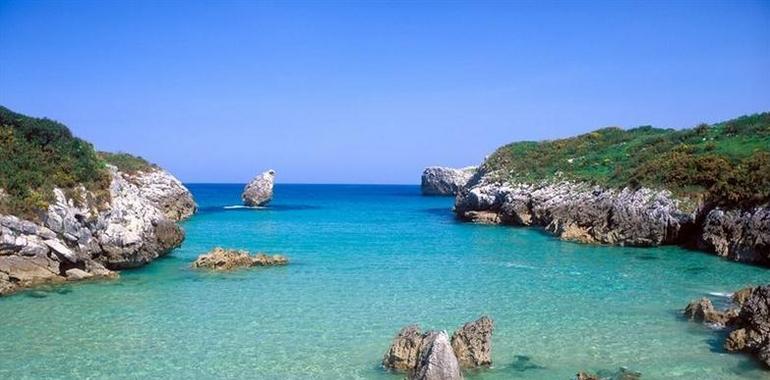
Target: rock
(167, 193)
(752, 332)
(702, 310)
(405, 350)
(472, 343)
(621, 374)
(582, 375)
(739, 235)
(437, 180)
(221, 259)
(259, 191)
(83, 236)
(437, 360)
(740, 297)
(633, 217)
(77, 274)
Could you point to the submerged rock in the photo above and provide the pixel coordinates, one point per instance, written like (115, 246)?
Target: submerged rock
(472, 343)
(437, 359)
(259, 191)
(221, 259)
(622, 374)
(437, 180)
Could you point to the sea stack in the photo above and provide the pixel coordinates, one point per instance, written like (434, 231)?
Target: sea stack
(437, 180)
(259, 191)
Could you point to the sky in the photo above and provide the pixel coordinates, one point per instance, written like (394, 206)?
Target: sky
(372, 92)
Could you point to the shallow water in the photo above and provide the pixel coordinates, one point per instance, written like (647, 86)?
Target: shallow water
(367, 260)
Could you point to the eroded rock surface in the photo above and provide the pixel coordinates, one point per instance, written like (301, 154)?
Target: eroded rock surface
(430, 354)
(77, 238)
(634, 217)
(221, 259)
(259, 191)
(472, 343)
(437, 180)
(437, 360)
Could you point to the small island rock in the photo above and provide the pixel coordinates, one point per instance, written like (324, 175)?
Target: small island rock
(437, 180)
(221, 259)
(259, 191)
(437, 359)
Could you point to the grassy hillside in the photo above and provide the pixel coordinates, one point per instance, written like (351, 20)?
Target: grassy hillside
(726, 163)
(38, 154)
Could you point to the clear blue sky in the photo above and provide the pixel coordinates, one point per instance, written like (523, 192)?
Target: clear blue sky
(371, 92)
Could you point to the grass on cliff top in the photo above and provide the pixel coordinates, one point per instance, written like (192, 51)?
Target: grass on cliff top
(127, 163)
(39, 154)
(726, 163)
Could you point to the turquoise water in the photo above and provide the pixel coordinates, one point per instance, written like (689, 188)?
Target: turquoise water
(367, 260)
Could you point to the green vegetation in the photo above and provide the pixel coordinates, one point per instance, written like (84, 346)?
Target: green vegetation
(127, 163)
(726, 163)
(38, 154)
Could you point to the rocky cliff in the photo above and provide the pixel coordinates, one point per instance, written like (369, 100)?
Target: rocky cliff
(437, 180)
(638, 217)
(76, 237)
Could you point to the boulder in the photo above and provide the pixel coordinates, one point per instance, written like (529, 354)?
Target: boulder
(752, 333)
(437, 359)
(437, 180)
(259, 191)
(220, 259)
(472, 343)
(405, 350)
(703, 310)
(621, 374)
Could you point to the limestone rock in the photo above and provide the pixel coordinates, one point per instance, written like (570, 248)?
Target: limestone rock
(405, 350)
(221, 259)
(437, 180)
(472, 343)
(259, 191)
(167, 193)
(740, 235)
(437, 359)
(703, 310)
(753, 326)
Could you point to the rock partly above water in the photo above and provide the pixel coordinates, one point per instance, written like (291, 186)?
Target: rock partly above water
(432, 355)
(259, 191)
(748, 318)
(437, 180)
(641, 217)
(79, 239)
(221, 259)
(621, 374)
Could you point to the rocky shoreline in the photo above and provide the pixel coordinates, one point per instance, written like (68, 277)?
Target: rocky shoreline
(77, 238)
(634, 217)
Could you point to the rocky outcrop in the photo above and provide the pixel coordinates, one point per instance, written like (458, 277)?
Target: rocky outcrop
(221, 259)
(740, 235)
(437, 180)
(167, 193)
(431, 354)
(752, 327)
(621, 374)
(79, 238)
(472, 343)
(748, 318)
(437, 360)
(259, 191)
(579, 212)
(634, 217)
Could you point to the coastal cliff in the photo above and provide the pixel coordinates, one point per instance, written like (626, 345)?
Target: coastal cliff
(439, 180)
(643, 187)
(105, 213)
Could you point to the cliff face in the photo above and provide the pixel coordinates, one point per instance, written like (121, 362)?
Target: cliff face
(437, 180)
(78, 239)
(643, 217)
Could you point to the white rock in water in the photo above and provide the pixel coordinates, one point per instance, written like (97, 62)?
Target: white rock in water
(437, 180)
(259, 191)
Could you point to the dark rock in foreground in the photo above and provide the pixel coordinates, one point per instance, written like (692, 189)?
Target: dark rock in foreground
(431, 355)
(259, 191)
(437, 180)
(221, 259)
(749, 319)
